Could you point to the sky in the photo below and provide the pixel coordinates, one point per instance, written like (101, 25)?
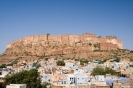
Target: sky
(20, 18)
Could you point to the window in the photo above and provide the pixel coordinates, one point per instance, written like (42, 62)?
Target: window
(64, 82)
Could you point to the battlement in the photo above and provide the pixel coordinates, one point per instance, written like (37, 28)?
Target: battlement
(89, 35)
(111, 37)
(99, 37)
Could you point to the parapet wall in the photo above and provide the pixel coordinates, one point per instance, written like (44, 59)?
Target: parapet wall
(111, 37)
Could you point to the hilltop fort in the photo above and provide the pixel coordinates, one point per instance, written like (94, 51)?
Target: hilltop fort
(45, 45)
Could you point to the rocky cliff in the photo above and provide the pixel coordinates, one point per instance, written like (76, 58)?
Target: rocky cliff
(46, 45)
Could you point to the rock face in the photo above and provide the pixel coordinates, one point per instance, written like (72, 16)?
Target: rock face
(44, 45)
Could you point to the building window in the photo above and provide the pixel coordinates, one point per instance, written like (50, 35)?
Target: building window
(64, 82)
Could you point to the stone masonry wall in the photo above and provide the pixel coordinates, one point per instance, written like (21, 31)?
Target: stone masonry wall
(62, 44)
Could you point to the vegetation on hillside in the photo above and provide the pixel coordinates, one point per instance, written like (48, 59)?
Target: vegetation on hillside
(103, 71)
(83, 61)
(36, 64)
(3, 66)
(60, 63)
(99, 55)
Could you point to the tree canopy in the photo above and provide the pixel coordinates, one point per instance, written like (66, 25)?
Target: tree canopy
(30, 78)
(103, 71)
(83, 61)
(3, 66)
(36, 64)
(60, 63)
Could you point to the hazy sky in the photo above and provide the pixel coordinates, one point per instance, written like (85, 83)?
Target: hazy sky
(19, 18)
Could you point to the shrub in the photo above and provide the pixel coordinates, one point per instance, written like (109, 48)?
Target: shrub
(60, 63)
(131, 51)
(117, 59)
(103, 71)
(46, 59)
(37, 65)
(83, 61)
(3, 66)
(90, 44)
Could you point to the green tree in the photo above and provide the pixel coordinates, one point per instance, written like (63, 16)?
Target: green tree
(60, 63)
(30, 78)
(83, 61)
(45, 84)
(109, 71)
(10, 64)
(37, 65)
(117, 59)
(46, 59)
(3, 66)
(95, 45)
(41, 57)
(98, 71)
(90, 44)
(86, 61)
(103, 71)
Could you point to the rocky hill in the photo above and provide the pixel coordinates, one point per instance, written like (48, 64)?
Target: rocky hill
(65, 46)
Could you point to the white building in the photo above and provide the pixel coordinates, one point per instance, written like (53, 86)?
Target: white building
(3, 73)
(99, 77)
(16, 86)
(70, 65)
(80, 78)
(70, 78)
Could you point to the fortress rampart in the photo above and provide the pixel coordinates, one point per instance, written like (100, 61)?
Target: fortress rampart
(47, 42)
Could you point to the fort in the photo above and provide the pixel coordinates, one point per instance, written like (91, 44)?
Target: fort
(62, 44)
